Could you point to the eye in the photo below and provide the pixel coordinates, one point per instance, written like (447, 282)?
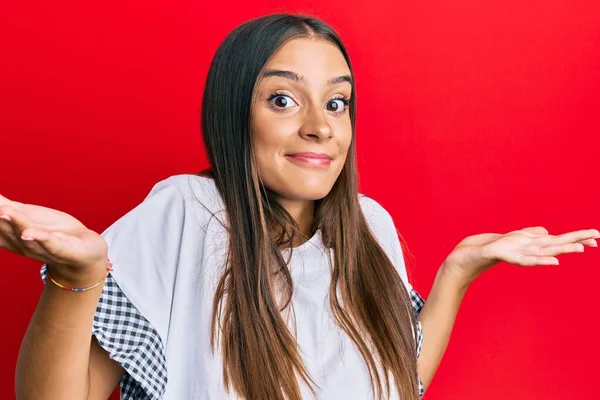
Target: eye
(337, 105)
(282, 101)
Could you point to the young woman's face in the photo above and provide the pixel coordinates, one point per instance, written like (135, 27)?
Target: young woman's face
(301, 126)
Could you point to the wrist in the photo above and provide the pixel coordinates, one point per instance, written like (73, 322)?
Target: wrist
(78, 277)
(453, 276)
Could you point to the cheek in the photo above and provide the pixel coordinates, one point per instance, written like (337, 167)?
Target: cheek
(343, 133)
(271, 135)
(271, 129)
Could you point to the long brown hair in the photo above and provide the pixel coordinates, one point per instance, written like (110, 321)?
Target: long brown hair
(367, 296)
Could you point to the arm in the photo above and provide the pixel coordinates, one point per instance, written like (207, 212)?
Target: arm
(471, 257)
(58, 358)
(437, 320)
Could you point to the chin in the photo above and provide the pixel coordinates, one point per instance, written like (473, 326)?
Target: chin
(308, 192)
(313, 194)
(303, 187)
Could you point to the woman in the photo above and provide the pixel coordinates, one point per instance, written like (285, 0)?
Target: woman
(268, 277)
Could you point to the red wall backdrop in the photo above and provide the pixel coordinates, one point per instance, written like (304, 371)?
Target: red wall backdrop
(473, 118)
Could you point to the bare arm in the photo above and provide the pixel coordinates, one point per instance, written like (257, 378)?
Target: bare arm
(59, 358)
(437, 319)
(524, 247)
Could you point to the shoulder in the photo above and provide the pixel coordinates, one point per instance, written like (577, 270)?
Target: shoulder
(188, 186)
(383, 228)
(378, 218)
(171, 203)
(197, 193)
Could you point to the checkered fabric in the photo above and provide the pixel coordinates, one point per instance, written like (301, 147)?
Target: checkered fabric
(130, 340)
(418, 302)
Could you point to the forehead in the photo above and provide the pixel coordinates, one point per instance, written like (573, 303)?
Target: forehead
(315, 59)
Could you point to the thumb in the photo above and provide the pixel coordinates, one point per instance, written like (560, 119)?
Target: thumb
(57, 244)
(480, 239)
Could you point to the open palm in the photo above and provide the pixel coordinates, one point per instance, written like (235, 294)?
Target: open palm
(48, 235)
(525, 247)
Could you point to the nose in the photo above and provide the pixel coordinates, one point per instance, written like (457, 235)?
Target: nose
(315, 126)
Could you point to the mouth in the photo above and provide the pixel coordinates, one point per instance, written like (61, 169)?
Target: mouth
(310, 159)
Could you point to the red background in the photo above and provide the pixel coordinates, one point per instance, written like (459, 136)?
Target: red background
(473, 118)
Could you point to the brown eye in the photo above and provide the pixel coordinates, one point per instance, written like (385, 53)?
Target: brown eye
(282, 101)
(336, 105)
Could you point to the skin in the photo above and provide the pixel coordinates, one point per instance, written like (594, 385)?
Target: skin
(307, 115)
(58, 358)
(307, 124)
(525, 247)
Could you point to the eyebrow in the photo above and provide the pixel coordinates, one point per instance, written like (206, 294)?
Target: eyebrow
(291, 75)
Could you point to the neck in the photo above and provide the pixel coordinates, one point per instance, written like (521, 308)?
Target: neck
(303, 213)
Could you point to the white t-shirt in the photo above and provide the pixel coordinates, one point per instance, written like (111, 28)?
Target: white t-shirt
(155, 311)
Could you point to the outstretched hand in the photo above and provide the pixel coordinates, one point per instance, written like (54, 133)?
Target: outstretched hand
(48, 235)
(525, 247)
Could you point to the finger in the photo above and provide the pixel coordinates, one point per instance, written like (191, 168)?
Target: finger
(10, 232)
(5, 225)
(560, 249)
(17, 223)
(571, 237)
(6, 244)
(19, 220)
(51, 242)
(589, 242)
(7, 232)
(59, 245)
(530, 261)
(30, 243)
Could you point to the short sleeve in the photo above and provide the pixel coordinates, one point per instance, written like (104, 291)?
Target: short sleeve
(384, 229)
(382, 226)
(133, 315)
(144, 246)
(130, 340)
(418, 303)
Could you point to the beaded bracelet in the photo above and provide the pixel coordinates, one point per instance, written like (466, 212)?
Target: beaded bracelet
(85, 289)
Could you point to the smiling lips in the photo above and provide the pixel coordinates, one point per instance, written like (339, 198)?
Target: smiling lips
(311, 159)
